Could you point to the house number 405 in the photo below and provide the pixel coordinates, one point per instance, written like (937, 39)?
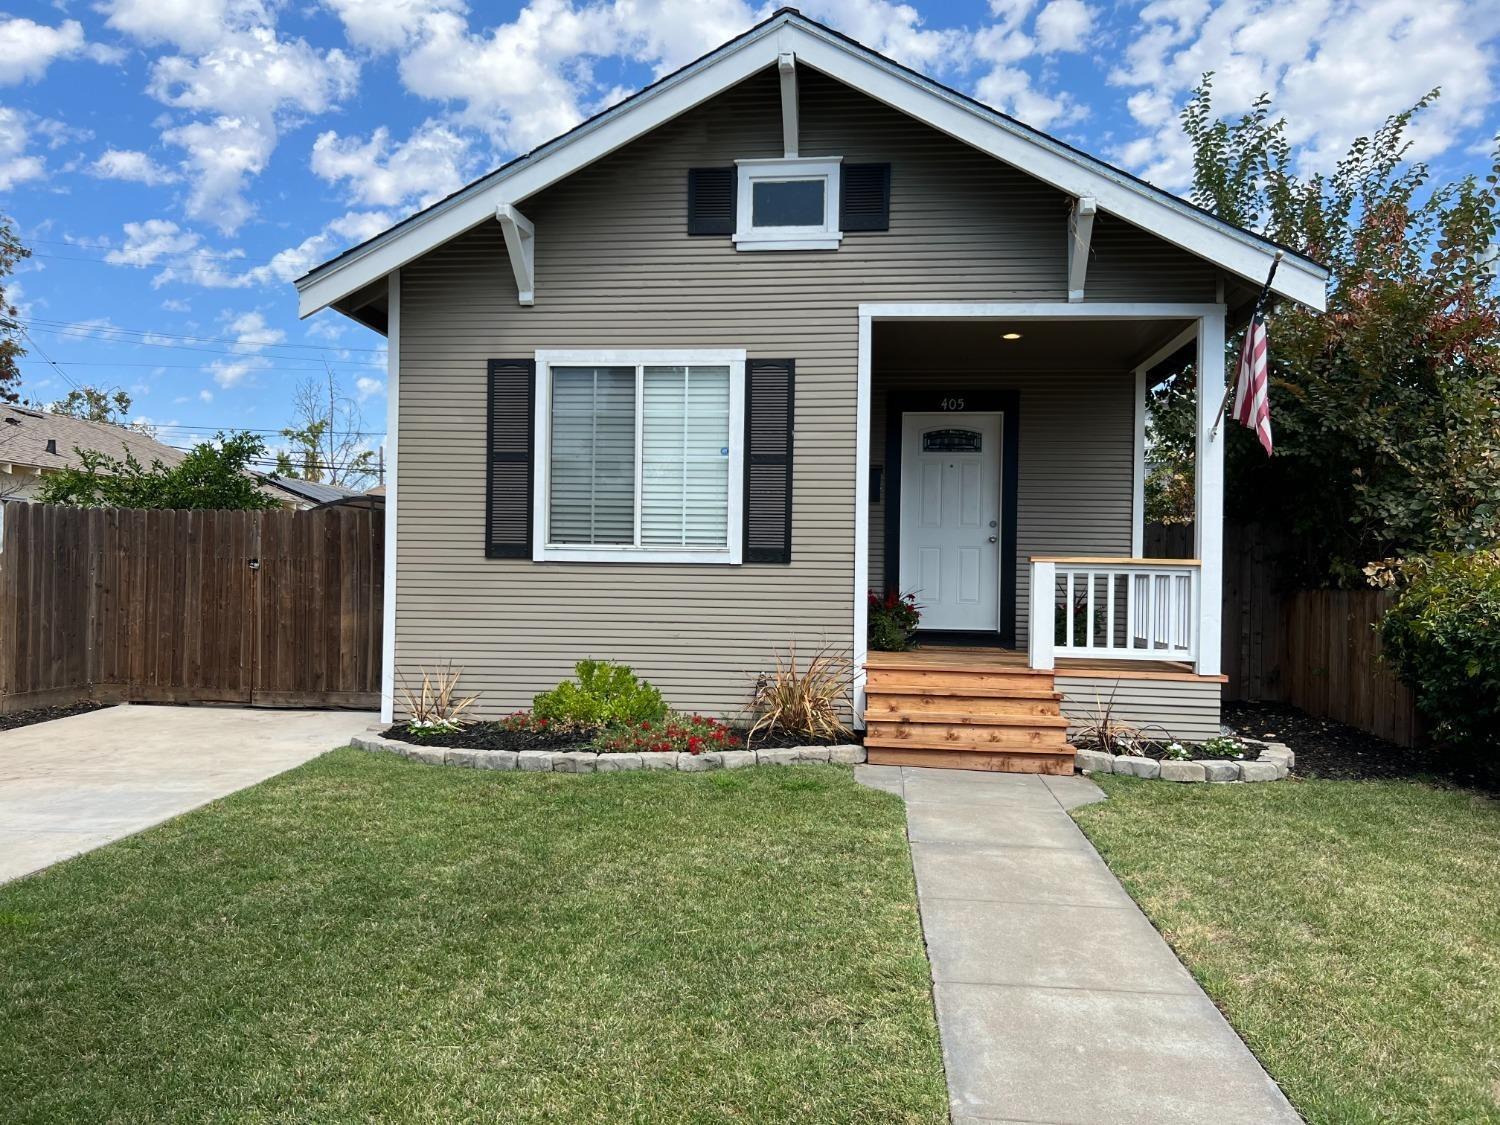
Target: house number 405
(953, 404)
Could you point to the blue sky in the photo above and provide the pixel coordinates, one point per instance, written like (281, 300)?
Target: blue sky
(175, 163)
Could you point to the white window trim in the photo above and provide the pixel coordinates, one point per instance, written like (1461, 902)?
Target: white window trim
(824, 237)
(543, 549)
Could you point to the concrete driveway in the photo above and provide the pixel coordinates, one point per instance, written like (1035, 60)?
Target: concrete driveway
(70, 785)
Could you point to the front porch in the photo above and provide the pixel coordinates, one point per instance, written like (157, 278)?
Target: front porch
(1007, 459)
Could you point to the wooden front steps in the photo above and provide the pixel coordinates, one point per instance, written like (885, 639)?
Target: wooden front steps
(963, 712)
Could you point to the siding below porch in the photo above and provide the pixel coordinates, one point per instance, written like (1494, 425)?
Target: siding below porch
(1187, 707)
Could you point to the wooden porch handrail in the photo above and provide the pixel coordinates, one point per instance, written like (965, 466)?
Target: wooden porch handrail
(1110, 560)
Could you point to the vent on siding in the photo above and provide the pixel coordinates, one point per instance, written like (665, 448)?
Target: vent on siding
(512, 401)
(865, 197)
(769, 401)
(711, 194)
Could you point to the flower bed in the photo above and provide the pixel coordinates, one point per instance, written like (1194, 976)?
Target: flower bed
(590, 761)
(524, 730)
(1260, 761)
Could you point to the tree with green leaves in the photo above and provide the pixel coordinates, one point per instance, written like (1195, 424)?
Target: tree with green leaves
(1387, 407)
(92, 404)
(11, 252)
(212, 475)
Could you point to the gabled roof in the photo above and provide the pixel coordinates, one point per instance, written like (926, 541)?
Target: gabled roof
(1117, 192)
(25, 434)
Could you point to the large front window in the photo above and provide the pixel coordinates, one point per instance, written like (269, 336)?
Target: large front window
(642, 456)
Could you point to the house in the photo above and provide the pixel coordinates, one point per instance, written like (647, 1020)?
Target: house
(35, 443)
(682, 385)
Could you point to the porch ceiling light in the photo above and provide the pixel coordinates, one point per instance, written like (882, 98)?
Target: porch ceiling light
(1011, 336)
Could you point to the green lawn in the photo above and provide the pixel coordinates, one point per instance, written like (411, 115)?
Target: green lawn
(368, 939)
(1349, 930)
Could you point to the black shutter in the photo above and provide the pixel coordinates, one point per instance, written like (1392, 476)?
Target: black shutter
(769, 387)
(711, 193)
(512, 403)
(865, 197)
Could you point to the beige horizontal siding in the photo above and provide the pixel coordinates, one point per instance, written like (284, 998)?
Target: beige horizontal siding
(615, 268)
(1186, 709)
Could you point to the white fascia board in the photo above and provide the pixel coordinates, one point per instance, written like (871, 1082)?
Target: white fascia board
(591, 142)
(1037, 156)
(1177, 222)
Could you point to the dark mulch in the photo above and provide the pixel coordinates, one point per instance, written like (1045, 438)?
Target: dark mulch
(492, 736)
(1330, 750)
(45, 714)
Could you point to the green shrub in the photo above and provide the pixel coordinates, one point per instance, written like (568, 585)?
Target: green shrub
(893, 621)
(1443, 637)
(605, 694)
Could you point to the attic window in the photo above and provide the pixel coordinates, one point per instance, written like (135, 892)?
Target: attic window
(789, 204)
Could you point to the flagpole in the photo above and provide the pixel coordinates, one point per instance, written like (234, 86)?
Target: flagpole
(1260, 301)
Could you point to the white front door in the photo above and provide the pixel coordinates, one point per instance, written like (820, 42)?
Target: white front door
(950, 518)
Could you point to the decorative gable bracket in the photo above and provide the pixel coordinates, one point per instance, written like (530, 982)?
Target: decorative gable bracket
(520, 247)
(1080, 236)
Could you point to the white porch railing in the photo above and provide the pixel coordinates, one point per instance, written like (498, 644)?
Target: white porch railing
(1117, 609)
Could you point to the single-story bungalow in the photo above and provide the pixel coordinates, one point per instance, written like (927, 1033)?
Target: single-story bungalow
(682, 386)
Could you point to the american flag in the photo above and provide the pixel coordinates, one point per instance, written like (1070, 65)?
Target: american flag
(1252, 403)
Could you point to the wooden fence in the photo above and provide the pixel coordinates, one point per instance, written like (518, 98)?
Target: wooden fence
(1316, 649)
(263, 608)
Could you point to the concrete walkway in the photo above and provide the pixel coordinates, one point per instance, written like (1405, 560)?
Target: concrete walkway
(1057, 1000)
(70, 785)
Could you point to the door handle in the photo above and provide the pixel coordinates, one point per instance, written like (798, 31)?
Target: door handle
(992, 539)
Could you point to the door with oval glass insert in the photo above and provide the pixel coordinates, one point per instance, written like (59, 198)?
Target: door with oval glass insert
(950, 518)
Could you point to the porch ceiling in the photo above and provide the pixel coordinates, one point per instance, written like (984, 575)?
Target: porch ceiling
(1076, 344)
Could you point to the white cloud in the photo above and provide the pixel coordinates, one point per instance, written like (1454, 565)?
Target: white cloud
(347, 230)
(1064, 25)
(230, 372)
(368, 387)
(146, 242)
(895, 30)
(1335, 68)
(222, 155)
(17, 165)
(172, 304)
(254, 73)
(428, 165)
(131, 166)
(28, 48)
(252, 333)
(387, 25)
(190, 25)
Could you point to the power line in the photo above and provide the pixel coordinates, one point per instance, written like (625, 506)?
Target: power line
(319, 365)
(249, 430)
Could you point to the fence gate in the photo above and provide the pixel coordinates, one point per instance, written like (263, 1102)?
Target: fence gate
(262, 608)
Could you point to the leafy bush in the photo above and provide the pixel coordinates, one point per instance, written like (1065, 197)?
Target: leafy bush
(808, 702)
(686, 734)
(1443, 637)
(893, 620)
(605, 694)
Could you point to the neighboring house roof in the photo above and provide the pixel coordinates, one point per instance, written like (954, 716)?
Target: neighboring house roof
(40, 440)
(1075, 172)
(312, 492)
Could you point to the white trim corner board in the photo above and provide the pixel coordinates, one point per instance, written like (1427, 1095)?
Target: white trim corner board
(392, 422)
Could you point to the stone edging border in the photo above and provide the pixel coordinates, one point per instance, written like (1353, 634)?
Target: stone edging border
(584, 761)
(1276, 761)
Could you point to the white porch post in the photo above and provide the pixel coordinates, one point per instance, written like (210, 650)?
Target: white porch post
(1208, 510)
(392, 412)
(1042, 623)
